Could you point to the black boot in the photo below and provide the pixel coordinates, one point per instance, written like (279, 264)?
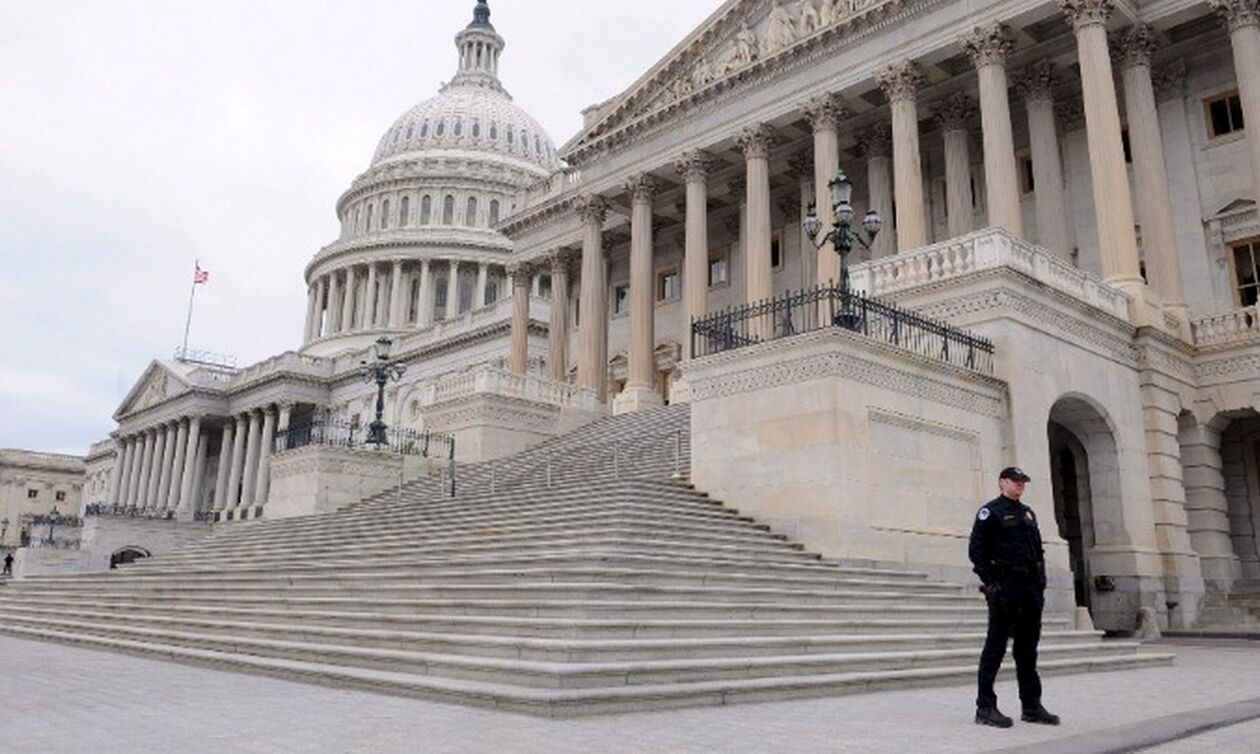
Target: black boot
(991, 716)
(1040, 715)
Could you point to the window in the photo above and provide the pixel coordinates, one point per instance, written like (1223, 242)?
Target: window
(1128, 146)
(494, 131)
(718, 272)
(776, 251)
(1247, 271)
(426, 210)
(441, 127)
(424, 129)
(1224, 114)
(476, 129)
(61, 496)
(410, 130)
(621, 299)
(470, 212)
(369, 217)
(492, 290)
(385, 214)
(544, 286)
(459, 126)
(668, 285)
(439, 297)
(404, 211)
(494, 211)
(448, 210)
(1029, 182)
(511, 138)
(465, 294)
(32, 494)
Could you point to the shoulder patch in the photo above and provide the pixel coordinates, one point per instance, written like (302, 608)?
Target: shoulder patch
(984, 514)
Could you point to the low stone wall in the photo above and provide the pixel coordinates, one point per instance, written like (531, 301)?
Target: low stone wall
(320, 479)
(102, 537)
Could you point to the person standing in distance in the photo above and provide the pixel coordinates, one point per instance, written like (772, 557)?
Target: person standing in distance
(1006, 553)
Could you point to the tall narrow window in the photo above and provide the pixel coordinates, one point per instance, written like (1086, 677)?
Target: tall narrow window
(459, 126)
(1224, 114)
(1247, 271)
(385, 215)
(441, 127)
(465, 294)
(494, 131)
(476, 129)
(404, 212)
(369, 217)
(448, 210)
(439, 298)
(426, 210)
(494, 211)
(470, 212)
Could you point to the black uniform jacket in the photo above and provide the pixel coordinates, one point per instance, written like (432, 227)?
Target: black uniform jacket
(1006, 547)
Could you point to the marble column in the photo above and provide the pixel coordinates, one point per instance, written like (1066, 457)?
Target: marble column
(824, 114)
(1133, 50)
(370, 310)
(249, 480)
(988, 47)
(452, 290)
(1243, 19)
(758, 267)
(593, 303)
(190, 466)
(146, 470)
(124, 485)
(737, 226)
(558, 327)
(263, 486)
(225, 462)
(177, 466)
(1113, 203)
(639, 392)
(168, 458)
(334, 303)
(954, 116)
(310, 314)
(876, 143)
(901, 83)
(1036, 84)
(116, 472)
(347, 305)
(483, 280)
(518, 356)
(233, 499)
(199, 474)
(424, 307)
(395, 295)
(694, 167)
(321, 301)
(159, 468)
(801, 167)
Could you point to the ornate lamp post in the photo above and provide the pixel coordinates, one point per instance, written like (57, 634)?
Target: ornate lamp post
(53, 517)
(841, 235)
(380, 371)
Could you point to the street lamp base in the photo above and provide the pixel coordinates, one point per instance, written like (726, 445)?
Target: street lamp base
(848, 320)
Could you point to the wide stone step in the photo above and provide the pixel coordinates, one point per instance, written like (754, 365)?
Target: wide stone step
(528, 648)
(585, 685)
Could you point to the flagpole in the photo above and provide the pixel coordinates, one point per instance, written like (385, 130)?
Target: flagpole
(183, 353)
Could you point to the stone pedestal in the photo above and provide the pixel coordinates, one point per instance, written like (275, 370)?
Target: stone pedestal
(321, 479)
(635, 398)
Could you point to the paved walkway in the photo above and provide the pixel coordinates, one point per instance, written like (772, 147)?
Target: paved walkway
(63, 699)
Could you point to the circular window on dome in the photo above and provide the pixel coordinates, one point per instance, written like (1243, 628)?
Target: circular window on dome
(424, 130)
(476, 129)
(441, 127)
(459, 127)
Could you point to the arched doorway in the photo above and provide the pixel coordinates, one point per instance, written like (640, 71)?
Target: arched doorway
(127, 555)
(1085, 484)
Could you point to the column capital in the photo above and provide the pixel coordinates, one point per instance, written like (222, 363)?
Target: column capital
(1134, 46)
(988, 45)
(1037, 81)
(955, 112)
(1083, 13)
(876, 141)
(825, 112)
(755, 141)
(802, 165)
(1071, 113)
(1237, 13)
(694, 165)
(559, 260)
(591, 208)
(521, 273)
(901, 81)
(1169, 80)
(642, 187)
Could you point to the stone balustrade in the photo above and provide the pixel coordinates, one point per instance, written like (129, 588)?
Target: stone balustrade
(502, 383)
(1226, 328)
(985, 250)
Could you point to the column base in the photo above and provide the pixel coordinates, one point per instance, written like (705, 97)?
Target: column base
(635, 398)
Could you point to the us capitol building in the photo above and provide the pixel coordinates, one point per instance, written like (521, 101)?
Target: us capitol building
(1068, 192)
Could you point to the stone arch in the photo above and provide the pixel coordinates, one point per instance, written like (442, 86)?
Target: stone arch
(128, 554)
(1091, 425)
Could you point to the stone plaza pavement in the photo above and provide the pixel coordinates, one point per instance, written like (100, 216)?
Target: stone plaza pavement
(64, 699)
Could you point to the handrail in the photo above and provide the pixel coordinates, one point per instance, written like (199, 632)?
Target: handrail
(329, 433)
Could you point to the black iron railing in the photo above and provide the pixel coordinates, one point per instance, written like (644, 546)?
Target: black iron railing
(408, 442)
(824, 307)
(102, 510)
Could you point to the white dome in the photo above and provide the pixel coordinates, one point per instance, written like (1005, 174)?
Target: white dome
(468, 118)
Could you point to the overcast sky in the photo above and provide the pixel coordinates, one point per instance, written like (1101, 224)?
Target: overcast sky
(137, 137)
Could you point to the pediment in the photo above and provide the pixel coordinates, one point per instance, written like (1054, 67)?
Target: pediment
(1234, 206)
(740, 37)
(158, 384)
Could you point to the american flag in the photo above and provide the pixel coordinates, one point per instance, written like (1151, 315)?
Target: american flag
(200, 276)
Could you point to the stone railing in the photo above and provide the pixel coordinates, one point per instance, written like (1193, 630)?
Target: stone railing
(291, 362)
(560, 183)
(490, 381)
(1236, 326)
(985, 250)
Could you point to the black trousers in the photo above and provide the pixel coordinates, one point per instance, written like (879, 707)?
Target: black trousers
(1013, 614)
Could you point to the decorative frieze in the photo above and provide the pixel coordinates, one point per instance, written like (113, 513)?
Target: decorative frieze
(901, 81)
(988, 45)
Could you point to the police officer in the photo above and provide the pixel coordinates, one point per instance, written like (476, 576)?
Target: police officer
(1007, 555)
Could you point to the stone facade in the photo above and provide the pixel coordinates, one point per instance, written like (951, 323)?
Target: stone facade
(32, 485)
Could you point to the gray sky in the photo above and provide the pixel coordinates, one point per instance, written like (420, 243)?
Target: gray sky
(137, 137)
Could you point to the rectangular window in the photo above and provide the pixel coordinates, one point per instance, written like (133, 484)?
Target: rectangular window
(1224, 114)
(61, 497)
(32, 494)
(621, 299)
(1247, 271)
(1127, 145)
(718, 273)
(1026, 174)
(776, 251)
(668, 285)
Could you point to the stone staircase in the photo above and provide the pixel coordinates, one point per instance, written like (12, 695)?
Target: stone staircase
(602, 586)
